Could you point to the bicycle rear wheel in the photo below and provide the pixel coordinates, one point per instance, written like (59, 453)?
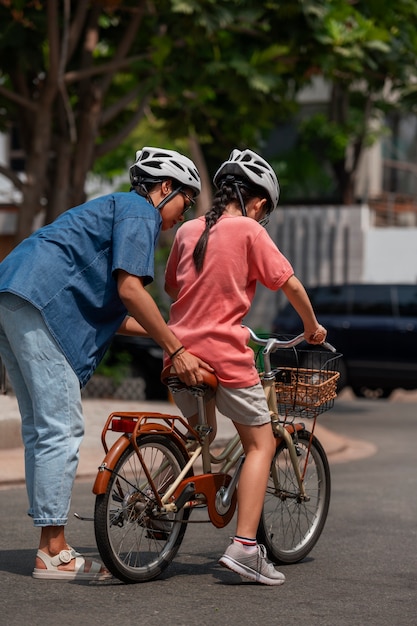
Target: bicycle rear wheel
(290, 526)
(135, 543)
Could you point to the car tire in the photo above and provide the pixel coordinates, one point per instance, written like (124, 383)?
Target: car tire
(371, 393)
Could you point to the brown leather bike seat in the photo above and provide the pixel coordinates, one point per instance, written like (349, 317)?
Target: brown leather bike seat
(169, 373)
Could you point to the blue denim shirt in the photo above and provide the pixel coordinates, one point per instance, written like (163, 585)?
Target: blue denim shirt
(67, 270)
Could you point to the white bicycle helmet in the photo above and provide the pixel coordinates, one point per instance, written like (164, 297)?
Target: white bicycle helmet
(247, 164)
(157, 164)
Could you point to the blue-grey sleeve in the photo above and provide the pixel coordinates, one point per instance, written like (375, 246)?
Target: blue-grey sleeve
(135, 234)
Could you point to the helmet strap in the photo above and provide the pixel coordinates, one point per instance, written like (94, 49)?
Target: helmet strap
(169, 197)
(142, 190)
(242, 204)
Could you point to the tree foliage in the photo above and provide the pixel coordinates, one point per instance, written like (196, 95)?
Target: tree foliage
(77, 77)
(367, 51)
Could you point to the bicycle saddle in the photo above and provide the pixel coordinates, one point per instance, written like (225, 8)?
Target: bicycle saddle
(170, 378)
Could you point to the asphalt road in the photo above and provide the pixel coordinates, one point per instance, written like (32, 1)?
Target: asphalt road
(362, 572)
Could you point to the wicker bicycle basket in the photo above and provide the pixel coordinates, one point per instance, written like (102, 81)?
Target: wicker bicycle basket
(305, 381)
(306, 391)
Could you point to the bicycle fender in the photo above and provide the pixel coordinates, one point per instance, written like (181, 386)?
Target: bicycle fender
(117, 449)
(109, 462)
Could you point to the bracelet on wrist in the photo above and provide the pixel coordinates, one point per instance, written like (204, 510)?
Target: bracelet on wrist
(177, 351)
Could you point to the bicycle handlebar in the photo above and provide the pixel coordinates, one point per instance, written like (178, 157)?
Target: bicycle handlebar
(271, 343)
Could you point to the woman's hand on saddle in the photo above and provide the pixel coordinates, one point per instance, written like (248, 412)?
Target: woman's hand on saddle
(187, 367)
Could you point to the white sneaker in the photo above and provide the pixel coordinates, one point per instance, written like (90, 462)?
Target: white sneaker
(252, 565)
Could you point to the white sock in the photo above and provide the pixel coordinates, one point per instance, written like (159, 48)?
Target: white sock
(247, 543)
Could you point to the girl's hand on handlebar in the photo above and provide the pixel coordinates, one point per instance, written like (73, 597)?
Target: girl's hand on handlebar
(316, 337)
(187, 366)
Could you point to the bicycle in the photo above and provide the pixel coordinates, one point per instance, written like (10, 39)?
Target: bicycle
(147, 487)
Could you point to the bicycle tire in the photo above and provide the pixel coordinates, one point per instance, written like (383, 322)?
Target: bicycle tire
(290, 527)
(134, 543)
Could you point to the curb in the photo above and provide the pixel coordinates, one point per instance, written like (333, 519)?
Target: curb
(338, 448)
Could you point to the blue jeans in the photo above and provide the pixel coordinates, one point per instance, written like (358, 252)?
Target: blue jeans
(49, 397)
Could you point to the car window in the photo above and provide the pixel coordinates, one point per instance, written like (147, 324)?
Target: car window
(333, 299)
(407, 300)
(372, 300)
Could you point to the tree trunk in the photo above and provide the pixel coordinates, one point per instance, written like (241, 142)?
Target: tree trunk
(35, 187)
(205, 198)
(345, 182)
(59, 196)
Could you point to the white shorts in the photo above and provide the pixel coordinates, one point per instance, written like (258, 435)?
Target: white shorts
(246, 405)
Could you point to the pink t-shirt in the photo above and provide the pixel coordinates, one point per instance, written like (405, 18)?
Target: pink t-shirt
(207, 315)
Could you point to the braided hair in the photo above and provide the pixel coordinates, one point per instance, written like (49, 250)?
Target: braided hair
(231, 190)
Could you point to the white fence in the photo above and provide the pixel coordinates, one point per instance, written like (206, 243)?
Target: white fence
(325, 245)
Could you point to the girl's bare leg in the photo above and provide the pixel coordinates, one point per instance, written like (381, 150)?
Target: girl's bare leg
(259, 446)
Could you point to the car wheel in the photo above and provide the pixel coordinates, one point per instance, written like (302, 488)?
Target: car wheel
(372, 393)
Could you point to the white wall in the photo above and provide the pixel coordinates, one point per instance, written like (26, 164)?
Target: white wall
(390, 255)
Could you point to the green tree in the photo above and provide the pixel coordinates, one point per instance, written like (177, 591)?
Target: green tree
(77, 77)
(367, 52)
(63, 81)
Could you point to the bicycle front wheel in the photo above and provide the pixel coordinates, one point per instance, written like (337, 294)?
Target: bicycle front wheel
(136, 542)
(290, 525)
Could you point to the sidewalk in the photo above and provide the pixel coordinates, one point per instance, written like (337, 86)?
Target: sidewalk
(338, 448)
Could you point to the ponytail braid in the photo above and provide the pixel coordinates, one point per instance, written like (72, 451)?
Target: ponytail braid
(224, 196)
(230, 191)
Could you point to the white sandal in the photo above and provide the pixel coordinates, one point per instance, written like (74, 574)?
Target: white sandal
(78, 573)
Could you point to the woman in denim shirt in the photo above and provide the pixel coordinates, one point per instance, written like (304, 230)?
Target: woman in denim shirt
(64, 292)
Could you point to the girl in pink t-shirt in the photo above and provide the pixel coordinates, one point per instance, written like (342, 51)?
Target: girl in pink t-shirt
(211, 274)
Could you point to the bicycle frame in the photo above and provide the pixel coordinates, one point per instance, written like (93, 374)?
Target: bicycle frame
(157, 468)
(136, 424)
(218, 485)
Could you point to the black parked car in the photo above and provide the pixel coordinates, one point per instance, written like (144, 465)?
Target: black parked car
(375, 328)
(142, 358)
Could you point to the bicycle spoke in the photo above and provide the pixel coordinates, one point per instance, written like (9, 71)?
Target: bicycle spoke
(136, 541)
(290, 524)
